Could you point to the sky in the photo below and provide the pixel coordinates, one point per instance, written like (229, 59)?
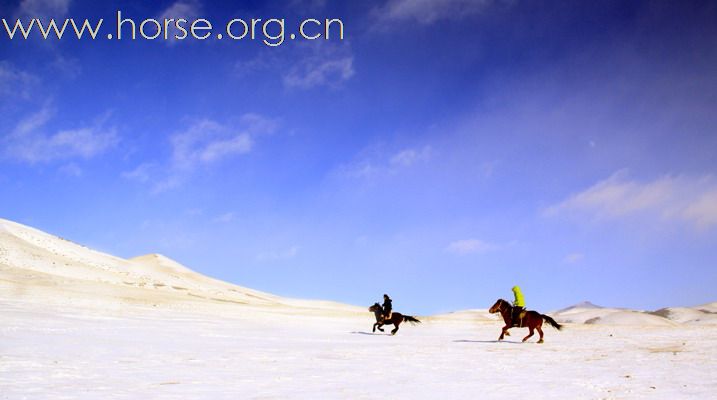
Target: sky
(442, 152)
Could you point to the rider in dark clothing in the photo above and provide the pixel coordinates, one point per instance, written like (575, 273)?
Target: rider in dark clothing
(387, 306)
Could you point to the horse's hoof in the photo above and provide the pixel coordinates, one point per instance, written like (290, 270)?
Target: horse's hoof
(540, 341)
(507, 334)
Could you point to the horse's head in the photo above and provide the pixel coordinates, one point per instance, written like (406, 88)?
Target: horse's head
(499, 305)
(375, 307)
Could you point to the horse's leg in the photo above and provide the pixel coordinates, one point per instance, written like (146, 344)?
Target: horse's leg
(504, 332)
(396, 323)
(529, 333)
(540, 331)
(374, 327)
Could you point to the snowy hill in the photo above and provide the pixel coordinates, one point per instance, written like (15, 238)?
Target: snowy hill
(585, 305)
(588, 313)
(39, 267)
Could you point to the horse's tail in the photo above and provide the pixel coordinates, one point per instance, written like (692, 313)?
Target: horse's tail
(411, 319)
(551, 322)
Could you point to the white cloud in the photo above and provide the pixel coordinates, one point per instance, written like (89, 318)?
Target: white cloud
(142, 173)
(43, 8)
(284, 254)
(323, 65)
(666, 199)
(702, 211)
(207, 141)
(225, 218)
(429, 11)
(376, 163)
(263, 61)
(171, 182)
(14, 82)
(202, 143)
(30, 142)
(67, 66)
(187, 9)
(470, 246)
(306, 66)
(408, 157)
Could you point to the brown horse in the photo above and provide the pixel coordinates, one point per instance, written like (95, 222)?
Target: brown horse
(529, 319)
(395, 320)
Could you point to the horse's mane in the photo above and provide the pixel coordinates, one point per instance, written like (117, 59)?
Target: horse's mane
(501, 301)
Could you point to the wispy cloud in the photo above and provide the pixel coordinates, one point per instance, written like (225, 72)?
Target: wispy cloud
(284, 254)
(376, 162)
(668, 198)
(225, 218)
(322, 65)
(202, 143)
(187, 9)
(470, 246)
(206, 142)
(409, 157)
(33, 142)
(14, 82)
(306, 66)
(72, 170)
(143, 173)
(67, 66)
(43, 8)
(429, 11)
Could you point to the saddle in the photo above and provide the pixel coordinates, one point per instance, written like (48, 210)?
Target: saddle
(518, 318)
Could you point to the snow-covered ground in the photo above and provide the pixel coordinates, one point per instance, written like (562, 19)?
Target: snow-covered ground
(79, 324)
(148, 353)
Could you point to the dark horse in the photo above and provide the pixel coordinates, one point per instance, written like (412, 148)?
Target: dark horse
(531, 320)
(395, 320)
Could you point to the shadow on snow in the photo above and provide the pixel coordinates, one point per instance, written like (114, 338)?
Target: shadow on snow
(487, 341)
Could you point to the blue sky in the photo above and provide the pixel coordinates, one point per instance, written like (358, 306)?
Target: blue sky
(443, 152)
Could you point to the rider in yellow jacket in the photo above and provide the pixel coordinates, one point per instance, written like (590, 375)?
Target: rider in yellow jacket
(518, 305)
